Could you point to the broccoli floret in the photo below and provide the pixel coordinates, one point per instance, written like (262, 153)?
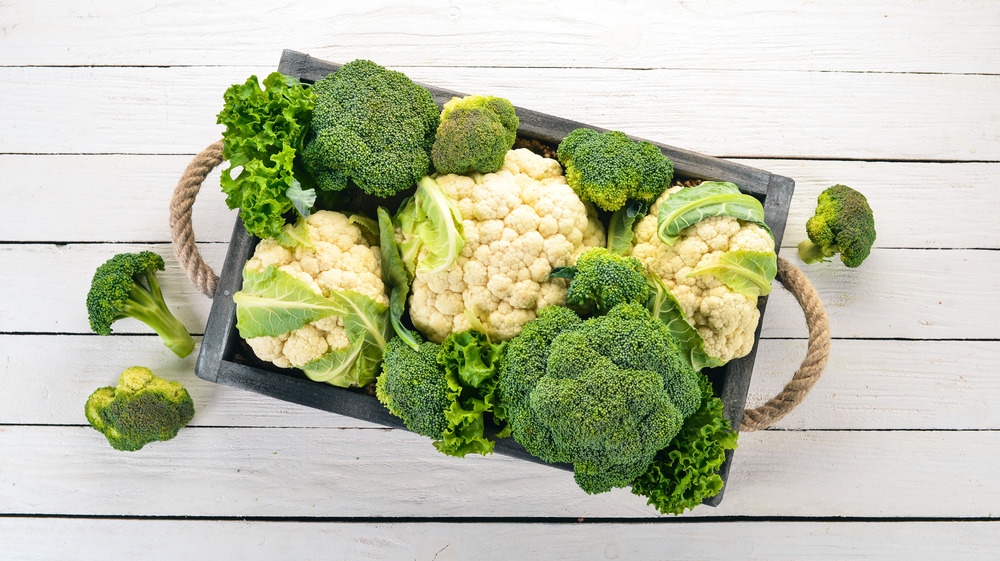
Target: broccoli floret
(371, 127)
(607, 168)
(844, 224)
(602, 280)
(604, 394)
(142, 409)
(125, 286)
(413, 387)
(475, 134)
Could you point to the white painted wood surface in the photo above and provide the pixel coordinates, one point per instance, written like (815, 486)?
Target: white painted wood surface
(892, 456)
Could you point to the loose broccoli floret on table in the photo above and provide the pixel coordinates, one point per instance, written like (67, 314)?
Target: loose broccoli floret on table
(475, 134)
(142, 409)
(607, 168)
(371, 127)
(844, 224)
(126, 287)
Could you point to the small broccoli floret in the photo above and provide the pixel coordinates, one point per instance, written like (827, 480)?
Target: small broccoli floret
(607, 168)
(413, 387)
(602, 280)
(371, 127)
(844, 224)
(475, 134)
(142, 409)
(126, 287)
(604, 394)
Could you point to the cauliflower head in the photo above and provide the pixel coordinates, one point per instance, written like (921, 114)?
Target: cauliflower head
(519, 223)
(339, 259)
(725, 319)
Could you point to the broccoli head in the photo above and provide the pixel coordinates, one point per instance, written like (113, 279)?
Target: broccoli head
(126, 286)
(372, 128)
(475, 134)
(602, 280)
(844, 224)
(607, 168)
(142, 409)
(413, 387)
(605, 394)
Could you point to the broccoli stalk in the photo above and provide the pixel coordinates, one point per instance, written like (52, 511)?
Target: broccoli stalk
(843, 223)
(125, 286)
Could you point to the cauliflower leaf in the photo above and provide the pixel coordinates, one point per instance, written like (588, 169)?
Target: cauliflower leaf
(710, 198)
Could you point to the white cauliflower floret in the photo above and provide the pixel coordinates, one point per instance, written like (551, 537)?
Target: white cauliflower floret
(519, 224)
(725, 319)
(340, 259)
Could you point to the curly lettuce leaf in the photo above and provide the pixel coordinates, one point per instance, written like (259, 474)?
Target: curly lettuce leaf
(263, 128)
(470, 362)
(710, 198)
(368, 330)
(663, 305)
(685, 473)
(747, 272)
(273, 302)
(431, 220)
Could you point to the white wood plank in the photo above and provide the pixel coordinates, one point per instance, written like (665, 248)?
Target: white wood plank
(719, 112)
(916, 204)
(874, 385)
(760, 34)
(896, 293)
(326, 472)
(60, 539)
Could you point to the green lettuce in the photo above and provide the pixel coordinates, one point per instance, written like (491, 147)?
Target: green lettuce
(710, 198)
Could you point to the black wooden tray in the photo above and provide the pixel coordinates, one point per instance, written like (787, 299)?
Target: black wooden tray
(223, 358)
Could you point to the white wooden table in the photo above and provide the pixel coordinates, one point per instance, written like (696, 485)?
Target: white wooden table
(893, 456)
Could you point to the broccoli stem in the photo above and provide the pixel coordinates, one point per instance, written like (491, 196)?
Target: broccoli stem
(148, 306)
(811, 253)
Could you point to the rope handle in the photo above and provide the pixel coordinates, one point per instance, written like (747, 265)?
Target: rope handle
(790, 276)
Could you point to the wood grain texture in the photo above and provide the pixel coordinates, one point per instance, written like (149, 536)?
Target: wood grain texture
(31, 539)
(716, 112)
(855, 35)
(331, 472)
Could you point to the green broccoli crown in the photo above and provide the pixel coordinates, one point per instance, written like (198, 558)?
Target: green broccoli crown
(604, 279)
(413, 387)
(371, 127)
(844, 224)
(607, 168)
(475, 134)
(126, 286)
(142, 409)
(604, 394)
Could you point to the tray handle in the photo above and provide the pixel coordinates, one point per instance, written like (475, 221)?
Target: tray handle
(790, 276)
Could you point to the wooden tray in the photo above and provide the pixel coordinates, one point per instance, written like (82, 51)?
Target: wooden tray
(223, 359)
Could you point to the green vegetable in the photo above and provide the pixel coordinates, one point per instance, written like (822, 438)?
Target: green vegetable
(685, 473)
(126, 286)
(397, 276)
(663, 305)
(264, 129)
(747, 272)
(372, 128)
(621, 224)
(607, 168)
(844, 224)
(431, 220)
(445, 392)
(142, 409)
(273, 302)
(604, 394)
(602, 280)
(710, 198)
(475, 134)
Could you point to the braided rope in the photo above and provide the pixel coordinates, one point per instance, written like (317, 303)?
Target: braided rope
(790, 276)
(181, 231)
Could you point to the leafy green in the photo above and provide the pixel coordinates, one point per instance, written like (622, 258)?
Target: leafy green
(264, 128)
(748, 272)
(710, 198)
(430, 219)
(621, 224)
(302, 199)
(398, 276)
(273, 302)
(368, 330)
(663, 305)
(294, 235)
